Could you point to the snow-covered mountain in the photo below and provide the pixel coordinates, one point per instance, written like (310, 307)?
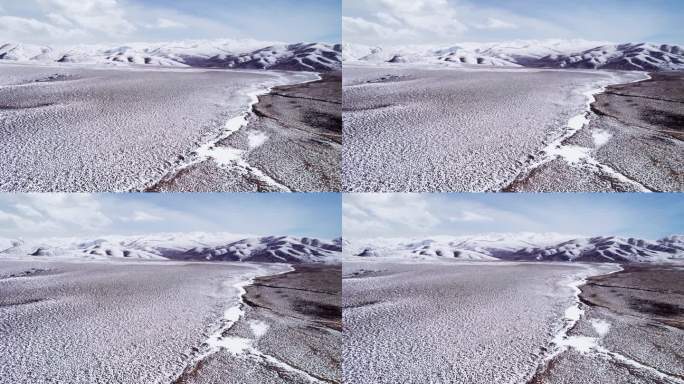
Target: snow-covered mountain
(528, 53)
(531, 247)
(477, 247)
(607, 249)
(638, 57)
(194, 246)
(239, 54)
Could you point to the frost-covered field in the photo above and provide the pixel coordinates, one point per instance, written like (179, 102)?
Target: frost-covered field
(421, 128)
(454, 322)
(70, 128)
(113, 322)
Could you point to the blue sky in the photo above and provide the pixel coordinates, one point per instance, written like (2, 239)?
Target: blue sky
(120, 21)
(648, 216)
(83, 215)
(393, 22)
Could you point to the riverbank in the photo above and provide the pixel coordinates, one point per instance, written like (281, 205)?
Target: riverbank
(291, 142)
(633, 327)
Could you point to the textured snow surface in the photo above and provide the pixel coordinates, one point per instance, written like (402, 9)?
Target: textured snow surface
(114, 322)
(244, 54)
(430, 129)
(522, 246)
(445, 321)
(529, 53)
(179, 246)
(79, 129)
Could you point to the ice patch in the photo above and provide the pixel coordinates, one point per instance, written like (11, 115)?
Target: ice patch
(600, 136)
(235, 345)
(582, 344)
(573, 313)
(601, 327)
(256, 139)
(258, 328)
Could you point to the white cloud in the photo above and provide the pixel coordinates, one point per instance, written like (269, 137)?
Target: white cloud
(60, 20)
(13, 27)
(81, 210)
(494, 23)
(365, 214)
(143, 216)
(106, 16)
(168, 23)
(469, 216)
(402, 20)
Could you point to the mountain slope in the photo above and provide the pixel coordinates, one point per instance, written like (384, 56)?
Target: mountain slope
(529, 247)
(532, 53)
(197, 246)
(247, 54)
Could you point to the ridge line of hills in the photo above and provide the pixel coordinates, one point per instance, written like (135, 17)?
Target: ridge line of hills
(576, 54)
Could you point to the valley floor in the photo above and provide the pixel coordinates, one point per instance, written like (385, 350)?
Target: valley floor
(454, 322)
(430, 129)
(293, 139)
(123, 321)
(635, 132)
(69, 128)
(632, 330)
(291, 332)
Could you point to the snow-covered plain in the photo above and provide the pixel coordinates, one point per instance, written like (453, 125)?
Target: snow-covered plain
(116, 321)
(459, 322)
(71, 128)
(426, 128)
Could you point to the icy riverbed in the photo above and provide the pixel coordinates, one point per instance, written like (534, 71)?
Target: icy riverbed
(67, 128)
(430, 129)
(124, 322)
(448, 322)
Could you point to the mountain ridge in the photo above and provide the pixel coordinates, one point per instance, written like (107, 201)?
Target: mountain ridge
(554, 53)
(269, 249)
(232, 54)
(554, 247)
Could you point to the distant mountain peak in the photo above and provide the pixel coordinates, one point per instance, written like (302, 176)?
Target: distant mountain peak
(196, 246)
(551, 53)
(525, 247)
(237, 54)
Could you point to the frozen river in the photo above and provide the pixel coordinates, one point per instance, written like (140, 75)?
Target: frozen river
(453, 322)
(117, 322)
(65, 128)
(422, 129)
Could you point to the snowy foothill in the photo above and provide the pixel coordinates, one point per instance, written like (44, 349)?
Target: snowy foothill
(550, 53)
(520, 246)
(177, 246)
(222, 53)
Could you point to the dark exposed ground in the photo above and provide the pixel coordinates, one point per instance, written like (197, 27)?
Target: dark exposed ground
(644, 307)
(646, 123)
(303, 126)
(301, 310)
